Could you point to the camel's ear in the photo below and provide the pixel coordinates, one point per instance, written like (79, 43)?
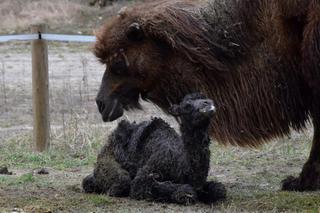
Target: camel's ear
(123, 12)
(135, 32)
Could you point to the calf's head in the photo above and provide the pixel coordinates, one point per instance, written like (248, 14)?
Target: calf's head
(194, 109)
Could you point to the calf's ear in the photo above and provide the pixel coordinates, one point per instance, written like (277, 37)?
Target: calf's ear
(174, 110)
(135, 32)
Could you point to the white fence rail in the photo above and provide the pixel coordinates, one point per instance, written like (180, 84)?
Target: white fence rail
(48, 37)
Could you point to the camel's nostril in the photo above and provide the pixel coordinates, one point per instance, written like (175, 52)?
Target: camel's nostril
(101, 105)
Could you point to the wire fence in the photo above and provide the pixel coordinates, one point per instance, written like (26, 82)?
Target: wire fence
(74, 80)
(74, 76)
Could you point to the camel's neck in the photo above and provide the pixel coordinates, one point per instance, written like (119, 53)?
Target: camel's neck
(196, 140)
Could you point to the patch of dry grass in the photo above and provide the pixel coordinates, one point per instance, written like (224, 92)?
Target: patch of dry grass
(75, 143)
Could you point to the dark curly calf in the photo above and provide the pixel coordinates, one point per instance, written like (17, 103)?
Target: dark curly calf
(151, 161)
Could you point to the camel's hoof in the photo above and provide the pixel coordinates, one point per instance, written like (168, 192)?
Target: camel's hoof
(291, 184)
(309, 179)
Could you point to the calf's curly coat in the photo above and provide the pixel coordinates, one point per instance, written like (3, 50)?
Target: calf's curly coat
(150, 160)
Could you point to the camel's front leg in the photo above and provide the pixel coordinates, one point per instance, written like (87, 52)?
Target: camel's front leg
(309, 178)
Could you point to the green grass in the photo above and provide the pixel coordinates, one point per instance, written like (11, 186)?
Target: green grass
(278, 201)
(76, 151)
(24, 157)
(17, 181)
(99, 200)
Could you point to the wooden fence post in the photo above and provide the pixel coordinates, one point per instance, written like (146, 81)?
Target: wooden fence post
(40, 91)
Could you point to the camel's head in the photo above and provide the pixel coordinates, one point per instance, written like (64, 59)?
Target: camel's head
(133, 65)
(145, 57)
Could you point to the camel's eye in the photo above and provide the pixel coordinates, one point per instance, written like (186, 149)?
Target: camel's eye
(118, 67)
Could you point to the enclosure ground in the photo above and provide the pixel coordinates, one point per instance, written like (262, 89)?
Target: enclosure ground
(252, 178)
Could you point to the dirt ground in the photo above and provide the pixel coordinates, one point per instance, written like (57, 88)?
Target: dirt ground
(252, 176)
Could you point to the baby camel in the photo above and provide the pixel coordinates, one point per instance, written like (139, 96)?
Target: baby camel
(151, 161)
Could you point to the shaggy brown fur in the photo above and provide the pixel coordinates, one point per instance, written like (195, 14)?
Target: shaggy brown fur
(258, 60)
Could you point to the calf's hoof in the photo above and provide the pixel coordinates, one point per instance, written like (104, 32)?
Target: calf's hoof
(184, 195)
(89, 184)
(212, 192)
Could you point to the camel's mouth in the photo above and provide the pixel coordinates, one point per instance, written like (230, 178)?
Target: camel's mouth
(110, 111)
(113, 107)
